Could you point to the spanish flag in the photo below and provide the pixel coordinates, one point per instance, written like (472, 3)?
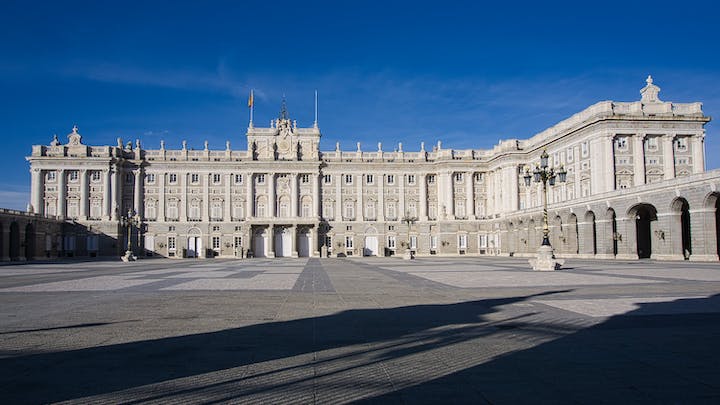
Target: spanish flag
(251, 99)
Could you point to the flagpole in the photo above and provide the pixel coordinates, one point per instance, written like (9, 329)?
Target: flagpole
(316, 110)
(252, 106)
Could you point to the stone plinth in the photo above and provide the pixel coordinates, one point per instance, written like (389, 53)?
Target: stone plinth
(128, 256)
(545, 260)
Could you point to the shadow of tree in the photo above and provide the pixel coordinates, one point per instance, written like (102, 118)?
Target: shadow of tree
(375, 335)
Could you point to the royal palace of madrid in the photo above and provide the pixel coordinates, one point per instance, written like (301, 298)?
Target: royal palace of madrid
(635, 186)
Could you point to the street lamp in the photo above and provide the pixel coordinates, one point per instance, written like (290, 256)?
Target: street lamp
(409, 220)
(129, 221)
(546, 175)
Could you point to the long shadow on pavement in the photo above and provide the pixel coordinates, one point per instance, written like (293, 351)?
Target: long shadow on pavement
(58, 376)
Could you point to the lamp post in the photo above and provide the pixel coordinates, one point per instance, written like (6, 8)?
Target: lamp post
(546, 175)
(409, 220)
(129, 221)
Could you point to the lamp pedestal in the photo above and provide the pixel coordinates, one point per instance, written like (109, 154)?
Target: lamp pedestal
(128, 256)
(545, 260)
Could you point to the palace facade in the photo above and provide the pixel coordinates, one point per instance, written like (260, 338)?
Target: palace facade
(636, 187)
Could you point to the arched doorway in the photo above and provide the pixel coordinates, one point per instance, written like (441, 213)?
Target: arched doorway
(590, 234)
(644, 214)
(371, 247)
(29, 242)
(194, 243)
(681, 206)
(573, 237)
(614, 235)
(14, 252)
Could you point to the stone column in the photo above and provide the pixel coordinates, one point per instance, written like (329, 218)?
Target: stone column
(359, 210)
(249, 196)
(36, 191)
(469, 197)
(138, 192)
(107, 194)
(271, 240)
(115, 194)
(401, 196)
(84, 195)
(227, 206)
(338, 197)
(698, 153)
(381, 198)
(184, 203)
(450, 195)
(423, 203)
(293, 240)
(272, 210)
(313, 251)
(668, 156)
(161, 198)
(604, 239)
(316, 195)
(294, 195)
(627, 247)
(62, 195)
(638, 160)
(703, 237)
(205, 206)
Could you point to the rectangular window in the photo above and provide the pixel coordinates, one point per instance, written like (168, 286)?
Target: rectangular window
(194, 178)
(462, 241)
(50, 176)
(305, 178)
(150, 178)
(216, 178)
(369, 179)
(652, 143)
(73, 175)
(584, 149)
(171, 243)
(95, 176)
(431, 179)
(681, 143)
(238, 242)
(411, 179)
(260, 179)
(216, 243)
(458, 177)
(391, 242)
(478, 177)
(433, 242)
(349, 242)
(216, 228)
(238, 178)
(390, 179)
(413, 242)
(327, 179)
(172, 178)
(348, 179)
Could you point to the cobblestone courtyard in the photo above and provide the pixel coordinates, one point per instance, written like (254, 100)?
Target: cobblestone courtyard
(432, 330)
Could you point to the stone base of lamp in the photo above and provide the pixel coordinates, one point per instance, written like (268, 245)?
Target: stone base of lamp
(408, 255)
(545, 260)
(128, 256)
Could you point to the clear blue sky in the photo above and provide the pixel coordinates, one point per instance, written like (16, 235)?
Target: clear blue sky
(466, 73)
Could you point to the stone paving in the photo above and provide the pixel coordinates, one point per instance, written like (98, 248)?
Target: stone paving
(380, 330)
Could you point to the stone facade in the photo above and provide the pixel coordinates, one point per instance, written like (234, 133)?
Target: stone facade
(282, 196)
